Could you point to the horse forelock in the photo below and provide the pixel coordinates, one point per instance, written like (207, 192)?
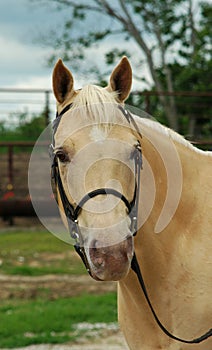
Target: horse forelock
(93, 107)
(98, 103)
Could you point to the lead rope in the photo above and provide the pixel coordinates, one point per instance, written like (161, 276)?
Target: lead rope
(136, 268)
(135, 265)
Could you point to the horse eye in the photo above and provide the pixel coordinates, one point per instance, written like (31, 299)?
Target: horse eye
(62, 156)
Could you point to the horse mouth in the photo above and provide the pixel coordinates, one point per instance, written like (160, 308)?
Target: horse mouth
(110, 263)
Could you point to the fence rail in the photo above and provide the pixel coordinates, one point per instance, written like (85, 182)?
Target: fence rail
(44, 98)
(10, 96)
(13, 186)
(15, 199)
(8, 169)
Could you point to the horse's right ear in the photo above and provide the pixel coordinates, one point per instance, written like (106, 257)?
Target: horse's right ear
(62, 81)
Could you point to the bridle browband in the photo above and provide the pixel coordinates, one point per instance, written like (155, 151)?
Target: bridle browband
(72, 213)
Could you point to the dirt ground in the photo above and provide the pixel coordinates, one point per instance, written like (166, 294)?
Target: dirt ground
(106, 342)
(57, 285)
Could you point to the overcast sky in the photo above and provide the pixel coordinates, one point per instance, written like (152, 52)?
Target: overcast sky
(23, 58)
(22, 61)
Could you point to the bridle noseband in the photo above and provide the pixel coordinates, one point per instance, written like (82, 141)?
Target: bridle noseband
(72, 213)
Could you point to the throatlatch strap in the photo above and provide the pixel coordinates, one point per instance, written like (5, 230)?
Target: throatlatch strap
(135, 267)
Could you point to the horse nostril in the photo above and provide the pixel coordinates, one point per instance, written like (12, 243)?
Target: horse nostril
(99, 261)
(96, 253)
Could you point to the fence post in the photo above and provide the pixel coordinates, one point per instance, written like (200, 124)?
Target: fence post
(147, 103)
(10, 165)
(47, 110)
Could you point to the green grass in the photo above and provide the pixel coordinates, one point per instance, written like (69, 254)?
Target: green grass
(37, 253)
(42, 321)
(31, 241)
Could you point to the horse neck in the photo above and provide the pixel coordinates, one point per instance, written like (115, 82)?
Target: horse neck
(175, 178)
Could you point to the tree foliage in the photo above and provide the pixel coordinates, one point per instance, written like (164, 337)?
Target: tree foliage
(26, 129)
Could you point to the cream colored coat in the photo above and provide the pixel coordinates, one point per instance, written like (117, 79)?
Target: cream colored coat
(173, 244)
(177, 262)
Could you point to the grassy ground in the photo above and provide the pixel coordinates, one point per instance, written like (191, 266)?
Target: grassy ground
(41, 319)
(45, 321)
(36, 253)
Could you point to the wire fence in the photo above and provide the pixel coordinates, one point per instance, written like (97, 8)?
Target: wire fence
(14, 102)
(33, 102)
(14, 156)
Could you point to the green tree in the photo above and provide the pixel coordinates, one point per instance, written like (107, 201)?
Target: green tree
(27, 129)
(158, 34)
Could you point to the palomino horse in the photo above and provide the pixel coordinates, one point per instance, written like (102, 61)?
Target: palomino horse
(118, 176)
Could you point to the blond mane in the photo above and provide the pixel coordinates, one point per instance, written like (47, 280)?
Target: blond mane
(172, 135)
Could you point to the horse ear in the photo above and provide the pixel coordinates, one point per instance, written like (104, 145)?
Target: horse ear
(63, 82)
(121, 79)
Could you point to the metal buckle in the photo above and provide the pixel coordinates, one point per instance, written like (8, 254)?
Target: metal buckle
(134, 225)
(75, 232)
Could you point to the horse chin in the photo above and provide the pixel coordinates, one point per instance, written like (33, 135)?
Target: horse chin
(110, 263)
(108, 276)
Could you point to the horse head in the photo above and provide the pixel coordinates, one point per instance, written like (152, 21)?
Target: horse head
(95, 150)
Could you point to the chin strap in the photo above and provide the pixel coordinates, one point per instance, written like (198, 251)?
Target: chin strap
(136, 268)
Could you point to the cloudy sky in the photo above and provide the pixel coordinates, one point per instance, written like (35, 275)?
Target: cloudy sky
(23, 57)
(23, 60)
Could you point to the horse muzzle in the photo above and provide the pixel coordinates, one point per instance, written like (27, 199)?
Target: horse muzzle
(110, 262)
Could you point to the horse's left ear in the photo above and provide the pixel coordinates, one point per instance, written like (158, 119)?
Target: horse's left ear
(121, 79)
(62, 81)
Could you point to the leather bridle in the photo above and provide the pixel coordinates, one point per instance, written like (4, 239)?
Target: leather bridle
(72, 212)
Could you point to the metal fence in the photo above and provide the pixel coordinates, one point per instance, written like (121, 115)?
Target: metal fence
(13, 102)
(14, 156)
(33, 102)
